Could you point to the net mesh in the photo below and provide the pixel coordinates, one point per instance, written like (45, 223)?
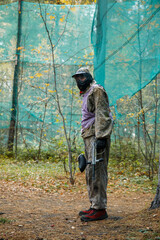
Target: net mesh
(126, 43)
(118, 39)
(43, 26)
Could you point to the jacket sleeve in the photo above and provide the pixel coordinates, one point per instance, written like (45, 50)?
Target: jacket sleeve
(99, 104)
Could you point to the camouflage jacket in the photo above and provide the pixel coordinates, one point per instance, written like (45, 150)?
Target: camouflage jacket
(98, 103)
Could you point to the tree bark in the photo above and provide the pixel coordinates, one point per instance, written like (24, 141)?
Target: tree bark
(15, 82)
(57, 95)
(156, 202)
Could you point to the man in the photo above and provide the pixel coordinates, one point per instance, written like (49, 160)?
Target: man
(96, 126)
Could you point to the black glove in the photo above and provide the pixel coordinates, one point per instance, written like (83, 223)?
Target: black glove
(101, 143)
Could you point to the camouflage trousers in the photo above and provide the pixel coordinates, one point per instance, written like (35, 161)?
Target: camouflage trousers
(97, 188)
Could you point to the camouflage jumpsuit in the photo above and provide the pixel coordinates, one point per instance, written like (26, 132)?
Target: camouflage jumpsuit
(97, 102)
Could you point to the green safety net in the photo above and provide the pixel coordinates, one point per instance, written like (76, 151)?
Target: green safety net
(126, 38)
(118, 39)
(43, 26)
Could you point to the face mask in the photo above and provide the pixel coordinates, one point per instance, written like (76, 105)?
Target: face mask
(82, 85)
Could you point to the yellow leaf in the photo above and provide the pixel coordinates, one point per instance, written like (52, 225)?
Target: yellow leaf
(47, 84)
(157, 5)
(31, 77)
(20, 48)
(52, 17)
(51, 91)
(48, 13)
(91, 54)
(73, 9)
(153, 23)
(0, 90)
(39, 75)
(63, 7)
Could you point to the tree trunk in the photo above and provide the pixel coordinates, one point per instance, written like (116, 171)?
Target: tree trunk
(138, 135)
(41, 133)
(15, 83)
(156, 202)
(57, 95)
(155, 124)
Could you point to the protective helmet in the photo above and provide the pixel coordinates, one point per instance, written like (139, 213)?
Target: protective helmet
(82, 70)
(82, 85)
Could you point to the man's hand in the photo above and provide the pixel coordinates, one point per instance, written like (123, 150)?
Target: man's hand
(101, 143)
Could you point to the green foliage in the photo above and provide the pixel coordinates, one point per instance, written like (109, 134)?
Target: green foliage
(4, 220)
(61, 2)
(11, 170)
(51, 177)
(125, 157)
(7, 1)
(125, 154)
(56, 152)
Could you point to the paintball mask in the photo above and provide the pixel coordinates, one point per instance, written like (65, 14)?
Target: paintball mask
(82, 85)
(83, 78)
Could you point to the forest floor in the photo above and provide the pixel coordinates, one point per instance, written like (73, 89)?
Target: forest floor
(34, 213)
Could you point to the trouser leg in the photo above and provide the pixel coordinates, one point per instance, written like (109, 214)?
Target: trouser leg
(97, 187)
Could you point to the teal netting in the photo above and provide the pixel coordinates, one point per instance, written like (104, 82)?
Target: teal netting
(66, 25)
(125, 38)
(69, 30)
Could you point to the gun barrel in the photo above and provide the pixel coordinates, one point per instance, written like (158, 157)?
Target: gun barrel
(93, 171)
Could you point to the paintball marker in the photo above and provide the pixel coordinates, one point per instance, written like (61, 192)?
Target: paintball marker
(83, 163)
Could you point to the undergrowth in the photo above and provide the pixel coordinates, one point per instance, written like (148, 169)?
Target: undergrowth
(51, 176)
(126, 167)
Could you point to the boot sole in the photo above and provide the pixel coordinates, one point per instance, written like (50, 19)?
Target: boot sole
(93, 219)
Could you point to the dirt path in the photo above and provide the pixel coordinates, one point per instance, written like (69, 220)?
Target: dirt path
(37, 215)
